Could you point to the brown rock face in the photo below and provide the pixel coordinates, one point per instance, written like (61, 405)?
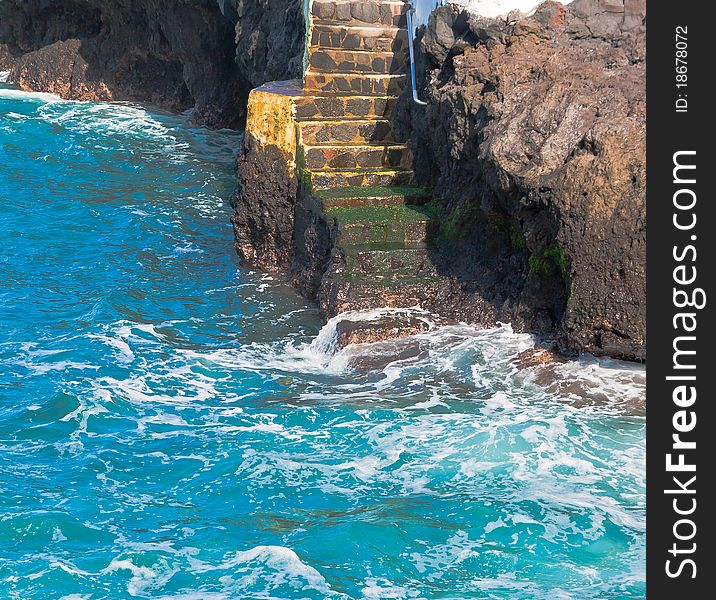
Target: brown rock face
(203, 55)
(535, 136)
(59, 69)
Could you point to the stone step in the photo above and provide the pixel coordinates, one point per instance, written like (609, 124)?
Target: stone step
(376, 39)
(390, 281)
(374, 197)
(326, 180)
(383, 233)
(382, 225)
(363, 293)
(359, 12)
(325, 158)
(358, 132)
(331, 60)
(352, 83)
(389, 260)
(318, 107)
(384, 327)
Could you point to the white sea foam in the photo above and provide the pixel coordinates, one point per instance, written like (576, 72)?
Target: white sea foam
(34, 97)
(143, 579)
(467, 419)
(379, 589)
(273, 566)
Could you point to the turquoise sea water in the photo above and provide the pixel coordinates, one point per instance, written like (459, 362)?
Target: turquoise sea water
(171, 426)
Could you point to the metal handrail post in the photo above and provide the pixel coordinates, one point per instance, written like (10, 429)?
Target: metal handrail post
(416, 99)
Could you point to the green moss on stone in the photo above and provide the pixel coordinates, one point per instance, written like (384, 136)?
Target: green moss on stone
(304, 174)
(376, 192)
(453, 222)
(517, 238)
(550, 262)
(381, 215)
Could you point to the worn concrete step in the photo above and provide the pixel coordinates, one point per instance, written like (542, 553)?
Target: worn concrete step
(325, 180)
(351, 83)
(321, 107)
(324, 158)
(376, 38)
(331, 60)
(389, 260)
(374, 197)
(373, 281)
(347, 293)
(373, 225)
(359, 12)
(383, 233)
(357, 132)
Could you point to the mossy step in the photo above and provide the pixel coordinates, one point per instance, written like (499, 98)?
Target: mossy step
(390, 281)
(382, 214)
(384, 248)
(325, 180)
(324, 158)
(338, 60)
(389, 260)
(367, 83)
(378, 233)
(357, 37)
(356, 197)
(346, 131)
(379, 225)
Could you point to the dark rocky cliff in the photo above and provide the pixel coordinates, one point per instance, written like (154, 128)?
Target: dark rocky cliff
(533, 143)
(533, 146)
(534, 139)
(200, 54)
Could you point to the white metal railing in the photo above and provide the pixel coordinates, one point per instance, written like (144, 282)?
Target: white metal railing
(411, 35)
(418, 16)
(307, 6)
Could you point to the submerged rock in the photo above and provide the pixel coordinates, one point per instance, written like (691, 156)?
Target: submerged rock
(538, 356)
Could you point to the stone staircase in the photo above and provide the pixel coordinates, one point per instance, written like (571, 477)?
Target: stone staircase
(350, 161)
(357, 62)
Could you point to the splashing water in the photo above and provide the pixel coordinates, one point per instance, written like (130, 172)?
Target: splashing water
(172, 426)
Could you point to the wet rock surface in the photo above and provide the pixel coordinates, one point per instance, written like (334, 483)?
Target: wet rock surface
(265, 204)
(203, 55)
(534, 138)
(388, 327)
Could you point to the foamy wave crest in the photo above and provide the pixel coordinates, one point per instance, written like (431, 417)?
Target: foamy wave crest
(269, 568)
(106, 121)
(33, 97)
(483, 359)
